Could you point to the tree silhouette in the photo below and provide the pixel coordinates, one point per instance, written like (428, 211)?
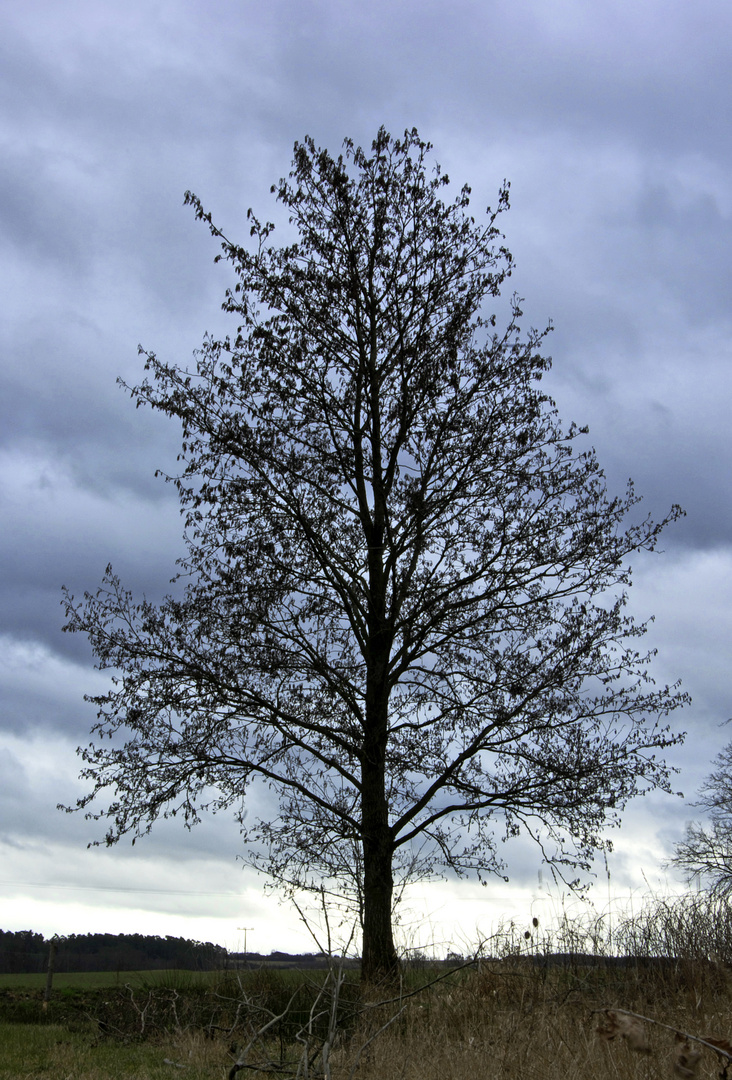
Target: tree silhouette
(706, 851)
(402, 604)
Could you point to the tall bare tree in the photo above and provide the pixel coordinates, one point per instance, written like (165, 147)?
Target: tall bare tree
(402, 606)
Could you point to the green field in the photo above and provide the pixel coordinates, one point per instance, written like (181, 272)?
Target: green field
(55, 1052)
(84, 980)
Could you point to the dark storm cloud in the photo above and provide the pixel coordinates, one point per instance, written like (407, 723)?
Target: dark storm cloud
(642, 319)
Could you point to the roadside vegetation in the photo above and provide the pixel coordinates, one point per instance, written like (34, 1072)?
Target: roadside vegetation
(582, 1000)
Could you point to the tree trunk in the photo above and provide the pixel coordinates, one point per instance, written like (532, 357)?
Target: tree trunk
(379, 957)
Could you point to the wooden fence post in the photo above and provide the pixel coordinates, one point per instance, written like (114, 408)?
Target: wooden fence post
(52, 949)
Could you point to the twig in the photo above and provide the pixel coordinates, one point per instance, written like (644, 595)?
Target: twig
(669, 1027)
(240, 1063)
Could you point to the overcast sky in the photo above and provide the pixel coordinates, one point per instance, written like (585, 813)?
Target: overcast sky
(612, 122)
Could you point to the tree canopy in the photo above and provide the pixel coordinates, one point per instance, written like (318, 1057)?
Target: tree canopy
(402, 607)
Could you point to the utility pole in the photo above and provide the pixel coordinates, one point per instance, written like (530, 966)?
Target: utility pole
(245, 928)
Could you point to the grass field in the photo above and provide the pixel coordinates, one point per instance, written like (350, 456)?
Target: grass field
(509, 1018)
(54, 1052)
(506, 1020)
(85, 980)
(515, 1016)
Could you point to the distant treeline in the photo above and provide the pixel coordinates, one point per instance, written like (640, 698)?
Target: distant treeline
(26, 952)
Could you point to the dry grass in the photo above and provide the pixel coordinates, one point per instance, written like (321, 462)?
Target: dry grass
(519, 1015)
(52, 1052)
(506, 1020)
(518, 1023)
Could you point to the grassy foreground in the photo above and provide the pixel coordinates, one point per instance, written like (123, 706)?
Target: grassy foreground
(34, 1051)
(510, 1018)
(549, 1008)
